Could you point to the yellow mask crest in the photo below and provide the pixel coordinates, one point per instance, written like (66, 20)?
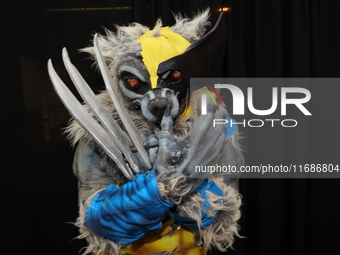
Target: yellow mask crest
(157, 49)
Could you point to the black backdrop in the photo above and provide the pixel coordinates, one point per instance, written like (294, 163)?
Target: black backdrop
(268, 38)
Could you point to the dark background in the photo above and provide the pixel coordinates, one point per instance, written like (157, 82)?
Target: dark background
(267, 38)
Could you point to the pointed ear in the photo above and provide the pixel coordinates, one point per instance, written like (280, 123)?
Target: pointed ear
(192, 29)
(201, 59)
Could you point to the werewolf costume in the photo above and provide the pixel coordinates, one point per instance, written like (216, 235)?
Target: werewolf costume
(137, 139)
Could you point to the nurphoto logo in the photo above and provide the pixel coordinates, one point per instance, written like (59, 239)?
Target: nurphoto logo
(239, 104)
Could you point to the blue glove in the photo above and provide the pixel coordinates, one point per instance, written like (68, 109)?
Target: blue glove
(206, 221)
(124, 215)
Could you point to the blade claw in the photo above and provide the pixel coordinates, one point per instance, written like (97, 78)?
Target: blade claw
(111, 126)
(136, 137)
(88, 123)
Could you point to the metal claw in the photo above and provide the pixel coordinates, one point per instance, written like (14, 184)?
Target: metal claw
(88, 123)
(111, 126)
(135, 135)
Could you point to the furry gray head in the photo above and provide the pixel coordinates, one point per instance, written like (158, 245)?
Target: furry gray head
(146, 74)
(146, 68)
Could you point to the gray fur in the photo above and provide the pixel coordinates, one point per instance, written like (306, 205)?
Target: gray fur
(96, 243)
(192, 29)
(117, 48)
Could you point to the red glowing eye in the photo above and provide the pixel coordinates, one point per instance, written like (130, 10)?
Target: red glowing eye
(133, 82)
(176, 74)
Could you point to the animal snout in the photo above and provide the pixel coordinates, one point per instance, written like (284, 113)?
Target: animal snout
(157, 107)
(156, 101)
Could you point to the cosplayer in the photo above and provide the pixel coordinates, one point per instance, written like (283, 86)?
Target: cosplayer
(138, 140)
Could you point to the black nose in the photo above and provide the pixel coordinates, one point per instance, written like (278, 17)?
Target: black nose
(158, 106)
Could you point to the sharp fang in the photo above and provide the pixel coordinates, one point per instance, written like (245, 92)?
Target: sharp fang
(118, 135)
(135, 135)
(87, 122)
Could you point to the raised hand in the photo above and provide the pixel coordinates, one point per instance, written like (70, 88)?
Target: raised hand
(201, 147)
